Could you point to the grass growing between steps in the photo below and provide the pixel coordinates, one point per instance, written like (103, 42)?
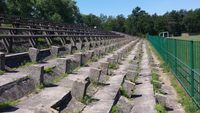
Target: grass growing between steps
(59, 78)
(88, 99)
(155, 81)
(114, 109)
(8, 104)
(184, 98)
(123, 92)
(160, 108)
(26, 64)
(113, 66)
(2, 72)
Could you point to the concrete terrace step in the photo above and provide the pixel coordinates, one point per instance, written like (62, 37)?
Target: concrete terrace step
(109, 94)
(146, 101)
(48, 97)
(15, 85)
(83, 72)
(52, 95)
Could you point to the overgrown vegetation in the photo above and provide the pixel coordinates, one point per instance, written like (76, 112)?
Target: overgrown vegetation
(8, 104)
(2, 72)
(115, 109)
(88, 99)
(59, 78)
(26, 64)
(184, 99)
(155, 81)
(48, 70)
(123, 92)
(94, 59)
(113, 66)
(160, 108)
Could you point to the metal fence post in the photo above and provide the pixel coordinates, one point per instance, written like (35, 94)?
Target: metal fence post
(192, 67)
(175, 57)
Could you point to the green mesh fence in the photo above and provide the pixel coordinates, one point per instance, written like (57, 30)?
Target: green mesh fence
(183, 57)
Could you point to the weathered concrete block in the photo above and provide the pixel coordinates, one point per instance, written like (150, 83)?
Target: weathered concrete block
(119, 55)
(93, 44)
(2, 61)
(103, 78)
(71, 65)
(54, 50)
(128, 87)
(115, 57)
(107, 49)
(98, 43)
(97, 52)
(16, 89)
(33, 54)
(94, 74)
(104, 67)
(78, 58)
(79, 46)
(68, 48)
(62, 65)
(132, 67)
(130, 75)
(102, 51)
(87, 45)
(91, 54)
(36, 73)
(124, 105)
(85, 58)
(111, 60)
(79, 89)
(162, 99)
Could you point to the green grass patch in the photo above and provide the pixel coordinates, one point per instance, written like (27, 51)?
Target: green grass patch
(123, 92)
(194, 38)
(26, 64)
(38, 88)
(2, 72)
(115, 109)
(155, 81)
(94, 59)
(88, 99)
(113, 66)
(48, 70)
(59, 78)
(8, 104)
(160, 108)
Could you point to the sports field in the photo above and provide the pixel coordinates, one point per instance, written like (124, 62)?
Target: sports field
(194, 37)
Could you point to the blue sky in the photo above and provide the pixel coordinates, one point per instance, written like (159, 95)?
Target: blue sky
(125, 7)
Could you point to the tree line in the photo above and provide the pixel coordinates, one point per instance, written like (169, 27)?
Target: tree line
(139, 22)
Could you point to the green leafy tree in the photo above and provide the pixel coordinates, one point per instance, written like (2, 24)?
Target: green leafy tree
(3, 7)
(23, 8)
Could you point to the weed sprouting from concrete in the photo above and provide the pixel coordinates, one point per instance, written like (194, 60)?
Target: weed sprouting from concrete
(48, 70)
(160, 108)
(115, 109)
(123, 92)
(113, 66)
(8, 104)
(88, 99)
(2, 72)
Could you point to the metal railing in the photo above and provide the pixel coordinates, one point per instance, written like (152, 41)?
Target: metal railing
(183, 57)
